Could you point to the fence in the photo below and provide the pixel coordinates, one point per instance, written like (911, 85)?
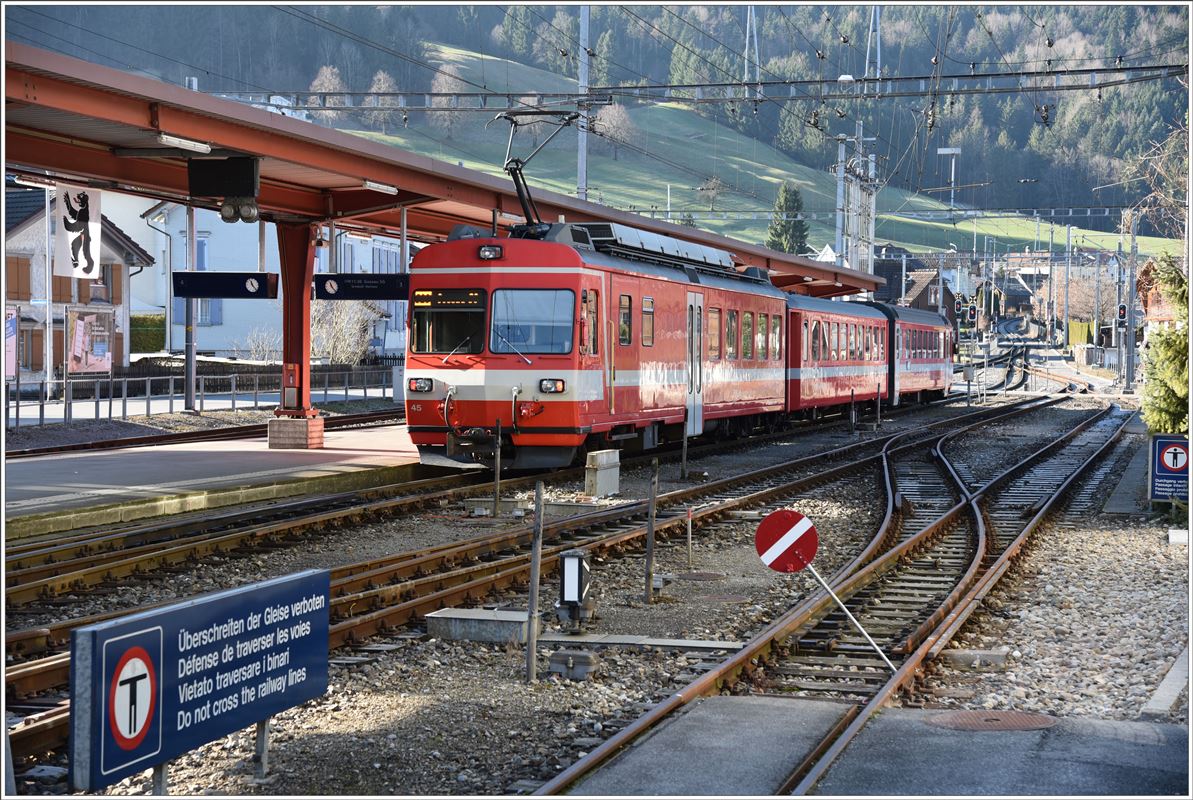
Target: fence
(118, 397)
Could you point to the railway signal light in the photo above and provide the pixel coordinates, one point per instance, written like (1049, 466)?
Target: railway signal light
(957, 306)
(574, 606)
(1122, 312)
(973, 313)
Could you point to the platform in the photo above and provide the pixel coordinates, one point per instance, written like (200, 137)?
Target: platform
(734, 746)
(1130, 494)
(60, 492)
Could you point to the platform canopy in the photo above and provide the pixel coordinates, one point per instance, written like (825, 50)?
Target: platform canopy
(72, 120)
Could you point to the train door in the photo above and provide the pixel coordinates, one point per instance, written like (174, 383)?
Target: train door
(896, 361)
(695, 364)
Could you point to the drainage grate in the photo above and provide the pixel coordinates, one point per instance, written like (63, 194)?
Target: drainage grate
(992, 721)
(701, 576)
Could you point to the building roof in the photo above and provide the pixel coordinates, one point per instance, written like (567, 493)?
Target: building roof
(20, 203)
(23, 203)
(919, 280)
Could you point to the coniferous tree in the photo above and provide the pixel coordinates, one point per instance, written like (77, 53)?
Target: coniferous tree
(786, 233)
(1166, 363)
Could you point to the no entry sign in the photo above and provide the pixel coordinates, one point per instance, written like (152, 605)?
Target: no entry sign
(786, 540)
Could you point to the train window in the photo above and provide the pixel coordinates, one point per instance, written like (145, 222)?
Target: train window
(532, 321)
(625, 333)
(648, 321)
(776, 337)
(447, 321)
(593, 332)
(866, 348)
(714, 334)
(832, 342)
(824, 339)
(806, 345)
(731, 336)
(852, 341)
(760, 338)
(816, 351)
(747, 334)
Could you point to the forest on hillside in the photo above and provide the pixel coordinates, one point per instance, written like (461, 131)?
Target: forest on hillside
(1018, 150)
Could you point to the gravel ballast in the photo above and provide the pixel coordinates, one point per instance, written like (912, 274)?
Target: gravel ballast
(1094, 617)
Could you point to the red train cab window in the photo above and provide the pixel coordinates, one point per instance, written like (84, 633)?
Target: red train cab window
(731, 336)
(647, 321)
(747, 334)
(714, 334)
(625, 318)
(776, 339)
(591, 335)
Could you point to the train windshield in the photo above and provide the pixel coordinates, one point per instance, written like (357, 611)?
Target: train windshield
(447, 321)
(533, 321)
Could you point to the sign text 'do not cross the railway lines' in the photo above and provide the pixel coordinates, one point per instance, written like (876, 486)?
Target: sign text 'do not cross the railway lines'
(150, 686)
(786, 540)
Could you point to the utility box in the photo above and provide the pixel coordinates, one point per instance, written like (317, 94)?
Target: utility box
(602, 474)
(575, 665)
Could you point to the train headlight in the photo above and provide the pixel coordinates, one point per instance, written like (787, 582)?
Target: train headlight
(488, 252)
(420, 384)
(552, 385)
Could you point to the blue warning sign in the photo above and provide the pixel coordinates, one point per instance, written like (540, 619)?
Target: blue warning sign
(150, 686)
(1169, 468)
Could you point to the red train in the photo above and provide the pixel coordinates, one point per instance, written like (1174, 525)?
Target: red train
(599, 335)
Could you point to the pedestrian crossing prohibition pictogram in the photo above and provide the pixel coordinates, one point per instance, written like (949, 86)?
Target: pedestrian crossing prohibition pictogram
(132, 697)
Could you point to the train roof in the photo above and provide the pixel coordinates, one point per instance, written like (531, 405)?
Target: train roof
(914, 316)
(730, 280)
(802, 301)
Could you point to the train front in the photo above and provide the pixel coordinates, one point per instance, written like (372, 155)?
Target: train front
(492, 357)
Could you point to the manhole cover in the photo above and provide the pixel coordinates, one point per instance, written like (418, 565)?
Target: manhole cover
(700, 576)
(725, 598)
(992, 721)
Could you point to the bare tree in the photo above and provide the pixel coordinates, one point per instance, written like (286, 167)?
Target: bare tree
(383, 114)
(1165, 169)
(448, 120)
(614, 126)
(711, 189)
(341, 329)
(261, 344)
(328, 80)
(351, 61)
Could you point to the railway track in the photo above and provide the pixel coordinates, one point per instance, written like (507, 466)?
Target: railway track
(380, 595)
(911, 599)
(214, 435)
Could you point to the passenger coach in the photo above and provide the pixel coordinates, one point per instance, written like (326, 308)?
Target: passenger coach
(593, 336)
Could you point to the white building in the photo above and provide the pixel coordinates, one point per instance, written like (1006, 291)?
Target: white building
(231, 327)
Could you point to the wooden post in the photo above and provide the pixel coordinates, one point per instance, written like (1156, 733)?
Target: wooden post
(532, 610)
(689, 537)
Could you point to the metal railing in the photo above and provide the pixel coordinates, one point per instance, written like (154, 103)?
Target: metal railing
(79, 399)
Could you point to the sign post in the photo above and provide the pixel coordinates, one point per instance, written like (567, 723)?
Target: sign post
(1168, 468)
(148, 687)
(786, 541)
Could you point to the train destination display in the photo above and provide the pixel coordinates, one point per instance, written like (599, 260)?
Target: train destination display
(148, 687)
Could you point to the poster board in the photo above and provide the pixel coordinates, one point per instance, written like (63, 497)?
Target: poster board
(12, 316)
(89, 341)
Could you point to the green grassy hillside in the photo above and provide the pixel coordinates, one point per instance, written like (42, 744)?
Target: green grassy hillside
(677, 148)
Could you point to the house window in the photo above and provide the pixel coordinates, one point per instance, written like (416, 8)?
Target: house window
(714, 334)
(101, 285)
(647, 321)
(625, 333)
